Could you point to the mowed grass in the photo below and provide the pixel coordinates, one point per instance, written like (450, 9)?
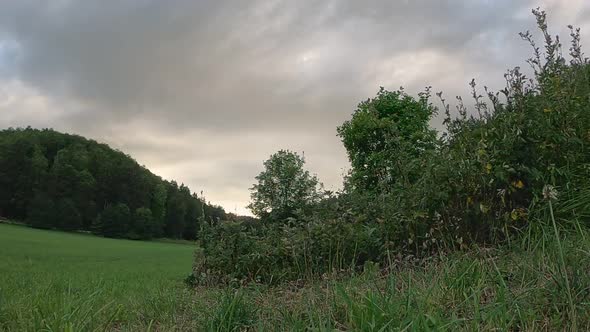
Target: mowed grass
(54, 281)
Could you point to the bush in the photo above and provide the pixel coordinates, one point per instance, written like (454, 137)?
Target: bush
(276, 252)
(478, 182)
(413, 191)
(234, 251)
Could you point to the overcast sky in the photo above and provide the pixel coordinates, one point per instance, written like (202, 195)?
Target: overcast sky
(203, 92)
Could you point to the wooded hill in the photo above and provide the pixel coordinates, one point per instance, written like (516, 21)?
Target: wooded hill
(55, 180)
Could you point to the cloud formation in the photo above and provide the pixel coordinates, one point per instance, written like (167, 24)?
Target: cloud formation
(204, 91)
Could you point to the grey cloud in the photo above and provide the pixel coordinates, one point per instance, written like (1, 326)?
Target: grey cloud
(216, 86)
(206, 62)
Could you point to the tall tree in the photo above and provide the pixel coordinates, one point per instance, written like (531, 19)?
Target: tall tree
(114, 221)
(283, 187)
(191, 221)
(384, 134)
(158, 208)
(67, 216)
(175, 212)
(41, 212)
(143, 223)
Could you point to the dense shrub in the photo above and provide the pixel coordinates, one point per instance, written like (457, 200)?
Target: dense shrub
(486, 170)
(414, 191)
(235, 251)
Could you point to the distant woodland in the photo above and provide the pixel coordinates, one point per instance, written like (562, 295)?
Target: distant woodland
(60, 181)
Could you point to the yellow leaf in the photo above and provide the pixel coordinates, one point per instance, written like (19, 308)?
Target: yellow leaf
(547, 110)
(483, 208)
(518, 184)
(488, 168)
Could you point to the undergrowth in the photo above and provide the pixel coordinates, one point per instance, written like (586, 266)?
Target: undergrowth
(522, 286)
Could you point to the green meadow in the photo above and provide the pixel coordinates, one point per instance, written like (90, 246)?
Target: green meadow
(54, 281)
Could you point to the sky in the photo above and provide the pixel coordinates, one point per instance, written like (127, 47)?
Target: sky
(202, 92)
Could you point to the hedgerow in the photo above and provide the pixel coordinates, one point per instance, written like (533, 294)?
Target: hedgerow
(415, 191)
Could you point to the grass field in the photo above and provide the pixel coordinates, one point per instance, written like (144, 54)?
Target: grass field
(51, 281)
(55, 281)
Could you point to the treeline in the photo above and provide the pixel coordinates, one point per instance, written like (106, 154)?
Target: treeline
(60, 181)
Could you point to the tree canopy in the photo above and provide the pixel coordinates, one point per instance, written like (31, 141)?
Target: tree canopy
(283, 187)
(384, 133)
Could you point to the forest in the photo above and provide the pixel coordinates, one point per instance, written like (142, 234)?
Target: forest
(59, 181)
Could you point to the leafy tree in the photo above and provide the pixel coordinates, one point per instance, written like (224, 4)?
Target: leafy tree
(114, 220)
(67, 216)
(214, 213)
(283, 187)
(143, 223)
(175, 213)
(191, 222)
(39, 166)
(158, 207)
(41, 212)
(384, 135)
(21, 169)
